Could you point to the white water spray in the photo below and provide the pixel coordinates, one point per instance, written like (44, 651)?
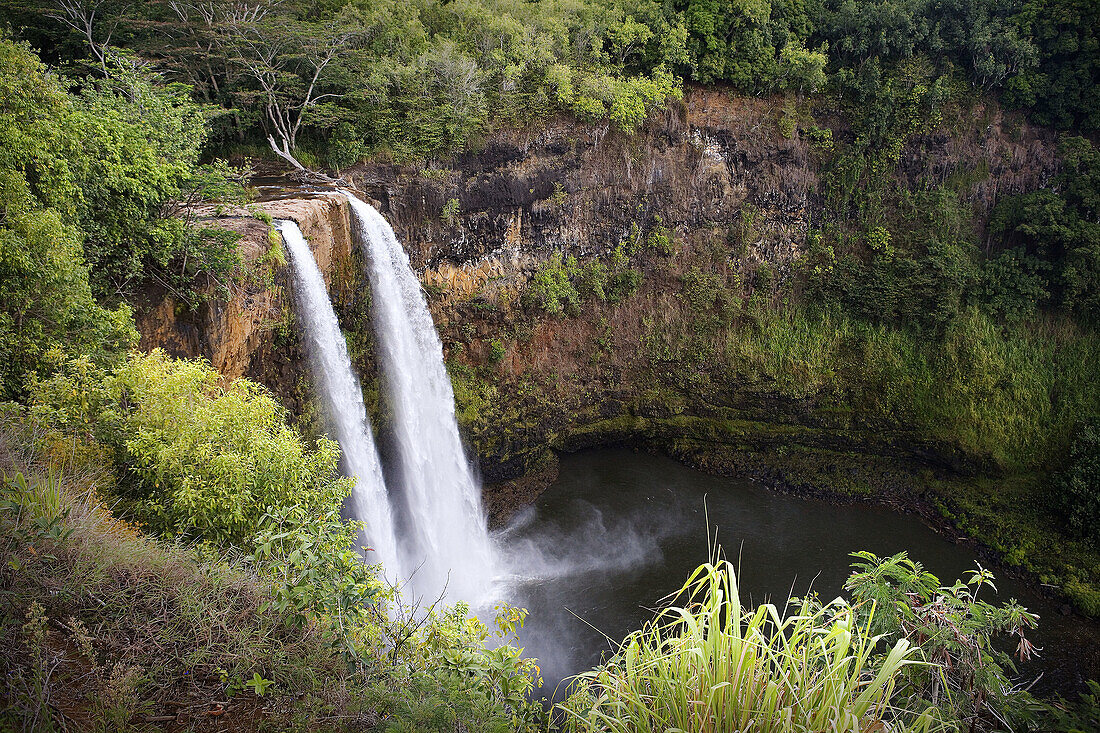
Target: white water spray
(447, 549)
(343, 401)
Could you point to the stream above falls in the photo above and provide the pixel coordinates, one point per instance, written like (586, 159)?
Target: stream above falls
(620, 530)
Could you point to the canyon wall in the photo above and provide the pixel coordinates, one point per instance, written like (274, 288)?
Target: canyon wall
(706, 210)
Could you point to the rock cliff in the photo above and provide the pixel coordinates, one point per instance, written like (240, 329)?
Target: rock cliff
(705, 210)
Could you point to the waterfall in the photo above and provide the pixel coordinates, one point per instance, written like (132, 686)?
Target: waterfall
(447, 548)
(343, 400)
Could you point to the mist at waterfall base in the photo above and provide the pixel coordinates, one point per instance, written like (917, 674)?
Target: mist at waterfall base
(621, 530)
(342, 398)
(445, 547)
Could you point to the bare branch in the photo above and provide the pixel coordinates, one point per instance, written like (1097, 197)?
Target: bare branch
(82, 16)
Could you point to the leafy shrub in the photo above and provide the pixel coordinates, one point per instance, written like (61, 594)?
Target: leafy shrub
(449, 212)
(821, 138)
(660, 239)
(496, 351)
(551, 289)
(623, 284)
(195, 455)
(624, 279)
(1014, 285)
(135, 149)
(878, 239)
(592, 279)
(701, 290)
(1059, 227)
(1078, 485)
(308, 560)
(967, 677)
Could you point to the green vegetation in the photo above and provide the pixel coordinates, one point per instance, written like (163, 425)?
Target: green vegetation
(96, 188)
(47, 304)
(1078, 485)
(980, 387)
(1051, 240)
(711, 664)
(560, 285)
(202, 459)
(229, 576)
(968, 679)
(126, 628)
(705, 662)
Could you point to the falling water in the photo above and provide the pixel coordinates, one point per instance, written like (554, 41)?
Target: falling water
(343, 401)
(447, 549)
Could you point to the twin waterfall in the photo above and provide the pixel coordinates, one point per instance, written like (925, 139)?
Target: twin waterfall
(427, 528)
(347, 415)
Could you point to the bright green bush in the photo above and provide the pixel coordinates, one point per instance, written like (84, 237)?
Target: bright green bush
(195, 455)
(307, 557)
(208, 457)
(496, 351)
(551, 289)
(592, 279)
(560, 285)
(660, 239)
(711, 664)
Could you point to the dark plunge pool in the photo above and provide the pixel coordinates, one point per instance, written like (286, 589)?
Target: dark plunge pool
(620, 530)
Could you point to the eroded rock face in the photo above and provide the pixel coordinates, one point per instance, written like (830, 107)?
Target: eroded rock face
(251, 333)
(713, 161)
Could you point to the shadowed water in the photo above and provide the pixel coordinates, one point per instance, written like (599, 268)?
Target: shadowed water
(620, 530)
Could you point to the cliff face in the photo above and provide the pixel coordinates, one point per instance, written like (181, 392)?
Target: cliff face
(705, 210)
(730, 200)
(580, 189)
(251, 334)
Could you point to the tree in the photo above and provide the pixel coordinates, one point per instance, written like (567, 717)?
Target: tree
(288, 61)
(803, 70)
(95, 20)
(1061, 89)
(1061, 225)
(139, 177)
(46, 306)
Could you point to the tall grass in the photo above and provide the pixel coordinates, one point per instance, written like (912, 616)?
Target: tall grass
(711, 665)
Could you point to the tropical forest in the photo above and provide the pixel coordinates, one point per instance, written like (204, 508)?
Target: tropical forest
(563, 366)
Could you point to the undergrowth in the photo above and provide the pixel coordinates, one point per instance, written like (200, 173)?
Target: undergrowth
(712, 665)
(108, 629)
(1015, 396)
